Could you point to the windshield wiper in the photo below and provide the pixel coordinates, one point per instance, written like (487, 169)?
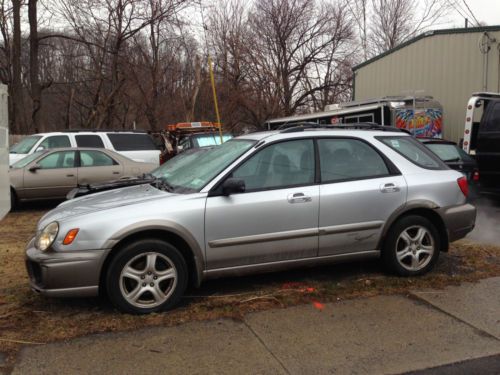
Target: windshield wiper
(451, 160)
(162, 184)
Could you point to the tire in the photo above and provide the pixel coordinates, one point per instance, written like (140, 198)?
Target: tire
(13, 199)
(146, 276)
(412, 246)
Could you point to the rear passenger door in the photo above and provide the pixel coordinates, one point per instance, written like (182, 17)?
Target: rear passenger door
(97, 166)
(359, 191)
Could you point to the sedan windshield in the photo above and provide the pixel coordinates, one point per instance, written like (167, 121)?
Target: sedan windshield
(191, 172)
(26, 160)
(25, 145)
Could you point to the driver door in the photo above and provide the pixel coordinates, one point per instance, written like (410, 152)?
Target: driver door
(275, 219)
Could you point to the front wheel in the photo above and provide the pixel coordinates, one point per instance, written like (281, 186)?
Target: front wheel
(146, 276)
(412, 246)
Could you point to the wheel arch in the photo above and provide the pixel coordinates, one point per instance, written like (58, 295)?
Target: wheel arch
(190, 252)
(422, 208)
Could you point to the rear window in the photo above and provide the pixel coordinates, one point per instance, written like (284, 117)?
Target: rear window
(131, 142)
(414, 151)
(93, 141)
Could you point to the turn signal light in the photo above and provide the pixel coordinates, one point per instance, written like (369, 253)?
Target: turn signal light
(464, 185)
(70, 236)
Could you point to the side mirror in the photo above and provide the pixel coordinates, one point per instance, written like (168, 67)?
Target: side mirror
(34, 168)
(180, 148)
(233, 185)
(40, 148)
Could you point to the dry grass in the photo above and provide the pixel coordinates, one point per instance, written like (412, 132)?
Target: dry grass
(28, 318)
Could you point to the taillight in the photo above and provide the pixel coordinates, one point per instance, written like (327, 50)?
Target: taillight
(463, 184)
(475, 176)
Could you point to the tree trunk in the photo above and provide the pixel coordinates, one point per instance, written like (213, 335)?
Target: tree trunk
(16, 88)
(36, 87)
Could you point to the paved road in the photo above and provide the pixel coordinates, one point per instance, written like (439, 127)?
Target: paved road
(425, 332)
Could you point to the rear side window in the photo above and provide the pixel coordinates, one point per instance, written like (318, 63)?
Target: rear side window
(93, 141)
(346, 159)
(95, 159)
(131, 142)
(415, 152)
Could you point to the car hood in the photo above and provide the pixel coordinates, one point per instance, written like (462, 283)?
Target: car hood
(104, 201)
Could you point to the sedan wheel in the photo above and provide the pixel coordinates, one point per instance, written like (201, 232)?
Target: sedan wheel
(146, 276)
(411, 246)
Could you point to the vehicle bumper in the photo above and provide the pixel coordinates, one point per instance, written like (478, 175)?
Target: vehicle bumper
(459, 220)
(57, 274)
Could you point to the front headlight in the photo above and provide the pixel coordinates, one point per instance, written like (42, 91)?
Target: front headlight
(47, 236)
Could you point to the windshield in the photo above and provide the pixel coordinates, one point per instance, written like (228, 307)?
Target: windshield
(210, 139)
(26, 160)
(447, 152)
(192, 171)
(25, 145)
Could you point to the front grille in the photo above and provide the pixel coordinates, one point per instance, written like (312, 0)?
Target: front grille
(34, 272)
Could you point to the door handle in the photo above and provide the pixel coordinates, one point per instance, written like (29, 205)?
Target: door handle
(298, 198)
(389, 188)
(70, 175)
(116, 172)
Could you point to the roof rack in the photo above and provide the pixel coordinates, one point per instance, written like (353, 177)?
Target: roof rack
(299, 127)
(103, 131)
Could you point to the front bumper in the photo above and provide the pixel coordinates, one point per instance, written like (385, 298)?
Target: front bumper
(459, 220)
(58, 274)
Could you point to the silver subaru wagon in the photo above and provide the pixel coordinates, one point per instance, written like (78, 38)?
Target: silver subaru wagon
(260, 202)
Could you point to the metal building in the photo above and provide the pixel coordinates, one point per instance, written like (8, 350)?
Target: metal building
(447, 64)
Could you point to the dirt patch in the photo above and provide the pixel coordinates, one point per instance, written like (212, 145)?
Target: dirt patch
(30, 319)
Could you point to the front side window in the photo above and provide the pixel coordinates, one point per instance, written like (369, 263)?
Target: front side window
(202, 167)
(278, 166)
(62, 159)
(56, 141)
(346, 159)
(25, 145)
(414, 151)
(95, 159)
(84, 140)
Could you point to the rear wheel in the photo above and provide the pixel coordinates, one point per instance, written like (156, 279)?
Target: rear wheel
(412, 246)
(146, 276)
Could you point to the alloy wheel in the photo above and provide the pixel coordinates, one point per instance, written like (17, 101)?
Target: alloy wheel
(415, 247)
(148, 280)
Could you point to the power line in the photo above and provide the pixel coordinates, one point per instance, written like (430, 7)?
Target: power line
(472, 14)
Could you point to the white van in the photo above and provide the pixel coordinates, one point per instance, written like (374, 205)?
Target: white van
(138, 146)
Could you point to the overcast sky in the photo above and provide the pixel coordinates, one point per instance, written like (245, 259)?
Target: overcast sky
(487, 11)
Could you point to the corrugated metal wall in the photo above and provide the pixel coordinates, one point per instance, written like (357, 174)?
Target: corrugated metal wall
(447, 66)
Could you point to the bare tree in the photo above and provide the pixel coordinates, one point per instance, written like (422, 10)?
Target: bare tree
(395, 21)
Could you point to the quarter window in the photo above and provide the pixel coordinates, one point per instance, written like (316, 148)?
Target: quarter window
(414, 151)
(346, 159)
(280, 165)
(95, 159)
(56, 141)
(62, 159)
(131, 142)
(93, 141)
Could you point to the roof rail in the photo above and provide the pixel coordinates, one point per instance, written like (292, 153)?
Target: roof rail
(103, 131)
(299, 127)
